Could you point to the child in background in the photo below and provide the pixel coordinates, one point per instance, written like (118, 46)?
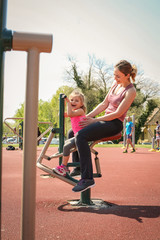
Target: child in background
(76, 111)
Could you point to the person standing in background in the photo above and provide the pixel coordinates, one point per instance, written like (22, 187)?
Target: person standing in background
(129, 131)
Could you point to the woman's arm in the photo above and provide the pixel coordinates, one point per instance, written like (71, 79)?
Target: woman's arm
(122, 108)
(102, 106)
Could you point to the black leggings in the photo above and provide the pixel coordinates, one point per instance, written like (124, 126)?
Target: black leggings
(93, 132)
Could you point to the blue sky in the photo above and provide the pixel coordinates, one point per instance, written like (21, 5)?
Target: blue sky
(111, 30)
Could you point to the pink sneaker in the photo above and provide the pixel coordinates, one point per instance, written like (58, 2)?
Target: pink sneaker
(61, 170)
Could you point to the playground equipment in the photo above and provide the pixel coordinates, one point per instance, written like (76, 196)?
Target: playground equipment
(85, 199)
(19, 129)
(153, 140)
(153, 146)
(133, 135)
(33, 44)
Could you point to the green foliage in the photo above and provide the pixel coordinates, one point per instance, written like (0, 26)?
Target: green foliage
(139, 99)
(95, 83)
(48, 111)
(80, 83)
(55, 105)
(20, 111)
(7, 131)
(151, 105)
(92, 83)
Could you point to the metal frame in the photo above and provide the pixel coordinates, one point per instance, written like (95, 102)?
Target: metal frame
(18, 118)
(153, 140)
(67, 179)
(86, 195)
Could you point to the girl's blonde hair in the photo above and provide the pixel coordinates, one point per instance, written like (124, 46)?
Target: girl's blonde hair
(126, 68)
(81, 96)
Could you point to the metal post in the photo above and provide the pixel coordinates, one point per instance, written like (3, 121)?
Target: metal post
(153, 142)
(5, 45)
(33, 44)
(124, 135)
(21, 134)
(61, 125)
(86, 198)
(133, 135)
(30, 146)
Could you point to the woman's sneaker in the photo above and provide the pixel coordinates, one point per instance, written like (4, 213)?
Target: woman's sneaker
(83, 185)
(61, 170)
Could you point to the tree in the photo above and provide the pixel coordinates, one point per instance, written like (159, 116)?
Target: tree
(55, 106)
(95, 83)
(103, 75)
(92, 83)
(148, 87)
(48, 111)
(20, 111)
(151, 105)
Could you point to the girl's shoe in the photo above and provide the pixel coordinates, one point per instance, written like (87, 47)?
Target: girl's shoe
(61, 170)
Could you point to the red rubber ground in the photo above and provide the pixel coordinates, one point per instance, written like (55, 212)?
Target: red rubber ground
(130, 183)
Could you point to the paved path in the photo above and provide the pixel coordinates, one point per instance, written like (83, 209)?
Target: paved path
(130, 184)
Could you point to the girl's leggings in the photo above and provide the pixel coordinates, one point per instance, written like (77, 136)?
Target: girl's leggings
(93, 132)
(69, 144)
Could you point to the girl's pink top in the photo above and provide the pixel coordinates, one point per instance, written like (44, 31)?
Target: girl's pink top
(115, 99)
(75, 123)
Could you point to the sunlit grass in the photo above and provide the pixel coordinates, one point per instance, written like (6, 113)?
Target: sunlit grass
(121, 145)
(97, 145)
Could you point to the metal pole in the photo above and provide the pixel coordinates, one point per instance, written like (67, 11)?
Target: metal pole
(61, 124)
(1, 118)
(33, 44)
(124, 135)
(30, 146)
(5, 45)
(133, 135)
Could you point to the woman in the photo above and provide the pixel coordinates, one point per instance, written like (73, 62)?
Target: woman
(116, 105)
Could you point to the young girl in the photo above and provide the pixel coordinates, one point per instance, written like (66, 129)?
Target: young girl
(76, 111)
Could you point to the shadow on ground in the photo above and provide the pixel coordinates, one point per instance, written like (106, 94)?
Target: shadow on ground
(133, 212)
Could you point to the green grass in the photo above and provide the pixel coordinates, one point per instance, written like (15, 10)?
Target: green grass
(14, 145)
(97, 145)
(121, 145)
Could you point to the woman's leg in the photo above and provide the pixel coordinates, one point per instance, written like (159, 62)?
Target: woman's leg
(75, 158)
(93, 132)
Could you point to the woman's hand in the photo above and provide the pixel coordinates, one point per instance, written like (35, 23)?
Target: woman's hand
(86, 121)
